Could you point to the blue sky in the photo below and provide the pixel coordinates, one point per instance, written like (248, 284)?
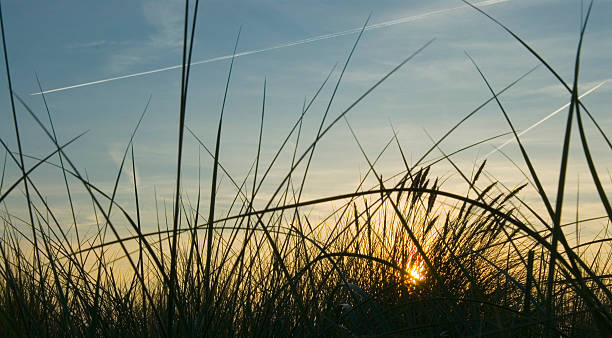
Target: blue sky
(72, 42)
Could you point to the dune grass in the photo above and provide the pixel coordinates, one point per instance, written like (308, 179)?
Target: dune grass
(404, 257)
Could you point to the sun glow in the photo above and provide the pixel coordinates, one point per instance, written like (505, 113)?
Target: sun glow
(416, 273)
(412, 274)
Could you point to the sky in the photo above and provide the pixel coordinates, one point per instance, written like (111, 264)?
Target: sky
(66, 43)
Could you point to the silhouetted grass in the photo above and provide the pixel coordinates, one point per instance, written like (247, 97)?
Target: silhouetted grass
(405, 257)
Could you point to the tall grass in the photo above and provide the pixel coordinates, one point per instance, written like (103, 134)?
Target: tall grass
(402, 257)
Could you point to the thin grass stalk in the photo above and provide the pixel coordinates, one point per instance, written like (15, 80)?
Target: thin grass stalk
(546, 64)
(184, 78)
(74, 223)
(90, 189)
(35, 166)
(64, 303)
(211, 215)
(17, 136)
(574, 260)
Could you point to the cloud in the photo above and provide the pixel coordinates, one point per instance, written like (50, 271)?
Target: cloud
(562, 108)
(166, 17)
(115, 153)
(88, 44)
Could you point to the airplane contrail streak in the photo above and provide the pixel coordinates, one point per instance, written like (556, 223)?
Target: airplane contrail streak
(545, 118)
(283, 45)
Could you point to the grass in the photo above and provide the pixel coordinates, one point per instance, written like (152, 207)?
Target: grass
(402, 257)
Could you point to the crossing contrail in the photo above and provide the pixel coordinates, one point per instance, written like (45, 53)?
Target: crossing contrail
(283, 45)
(545, 118)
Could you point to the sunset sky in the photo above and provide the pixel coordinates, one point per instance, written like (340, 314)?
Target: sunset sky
(73, 42)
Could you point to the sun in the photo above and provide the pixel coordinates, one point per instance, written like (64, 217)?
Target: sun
(413, 274)
(416, 273)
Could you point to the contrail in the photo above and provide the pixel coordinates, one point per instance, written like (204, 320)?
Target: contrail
(283, 45)
(545, 118)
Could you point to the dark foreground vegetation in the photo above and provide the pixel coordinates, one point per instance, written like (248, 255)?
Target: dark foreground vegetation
(404, 257)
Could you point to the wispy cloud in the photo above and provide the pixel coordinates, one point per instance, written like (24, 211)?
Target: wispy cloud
(168, 28)
(545, 118)
(88, 44)
(167, 19)
(115, 153)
